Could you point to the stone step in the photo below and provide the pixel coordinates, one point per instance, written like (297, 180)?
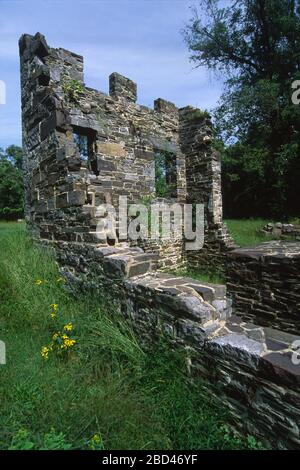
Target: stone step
(196, 301)
(138, 269)
(124, 261)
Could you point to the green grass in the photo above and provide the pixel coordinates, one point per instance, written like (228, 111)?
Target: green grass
(245, 232)
(212, 277)
(106, 385)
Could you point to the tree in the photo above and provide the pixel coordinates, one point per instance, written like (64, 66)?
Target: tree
(256, 46)
(11, 183)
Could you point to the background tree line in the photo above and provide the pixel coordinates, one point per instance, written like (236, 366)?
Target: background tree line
(11, 183)
(255, 45)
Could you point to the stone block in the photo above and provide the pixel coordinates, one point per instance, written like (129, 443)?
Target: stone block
(105, 165)
(62, 200)
(137, 269)
(39, 46)
(111, 148)
(57, 119)
(164, 106)
(144, 154)
(41, 207)
(120, 86)
(76, 198)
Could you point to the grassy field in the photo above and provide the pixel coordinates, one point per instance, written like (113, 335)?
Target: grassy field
(245, 232)
(100, 392)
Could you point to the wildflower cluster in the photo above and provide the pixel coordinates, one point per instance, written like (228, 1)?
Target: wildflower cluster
(96, 442)
(45, 352)
(53, 312)
(40, 282)
(62, 339)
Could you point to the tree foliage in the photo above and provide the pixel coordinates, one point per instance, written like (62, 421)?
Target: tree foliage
(11, 183)
(255, 44)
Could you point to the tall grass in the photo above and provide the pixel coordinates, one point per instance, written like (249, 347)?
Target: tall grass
(107, 385)
(246, 232)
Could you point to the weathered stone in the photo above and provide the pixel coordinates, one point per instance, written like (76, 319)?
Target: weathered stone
(76, 198)
(206, 292)
(62, 200)
(264, 282)
(247, 368)
(164, 106)
(241, 342)
(123, 87)
(111, 148)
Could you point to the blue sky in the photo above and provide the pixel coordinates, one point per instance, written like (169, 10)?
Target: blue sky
(140, 39)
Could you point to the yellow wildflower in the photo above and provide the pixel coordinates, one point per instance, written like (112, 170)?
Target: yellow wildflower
(68, 327)
(96, 439)
(68, 343)
(38, 282)
(54, 307)
(96, 442)
(45, 352)
(52, 314)
(55, 336)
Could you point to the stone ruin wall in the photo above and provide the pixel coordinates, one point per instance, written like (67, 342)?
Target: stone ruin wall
(264, 283)
(246, 367)
(64, 191)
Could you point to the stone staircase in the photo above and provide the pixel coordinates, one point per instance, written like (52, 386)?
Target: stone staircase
(127, 261)
(199, 301)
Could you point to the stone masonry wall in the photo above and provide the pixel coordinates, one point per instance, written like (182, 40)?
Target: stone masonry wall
(63, 190)
(245, 366)
(203, 180)
(264, 283)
